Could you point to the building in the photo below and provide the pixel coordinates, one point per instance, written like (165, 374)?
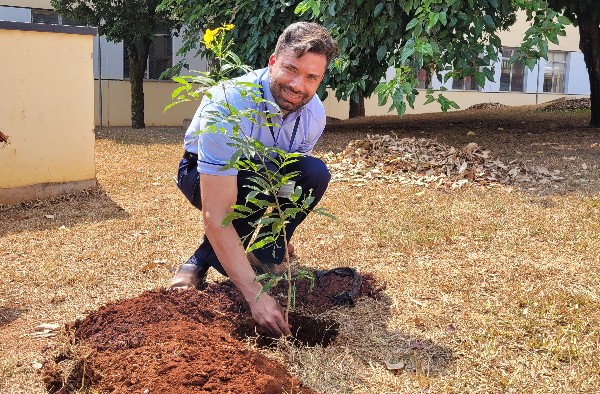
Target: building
(46, 115)
(563, 74)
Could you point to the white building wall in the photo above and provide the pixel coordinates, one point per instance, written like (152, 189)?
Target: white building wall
(533, 81)
(195, 64)
(15, 14)
(577, 79)
(437, 84)
(494, 86)
(112, 58)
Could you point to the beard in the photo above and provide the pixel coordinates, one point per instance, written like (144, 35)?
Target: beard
(277, 90)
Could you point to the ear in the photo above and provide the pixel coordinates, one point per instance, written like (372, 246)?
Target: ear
(271, 60)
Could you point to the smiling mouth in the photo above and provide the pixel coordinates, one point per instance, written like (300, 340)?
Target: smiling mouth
(290, 96)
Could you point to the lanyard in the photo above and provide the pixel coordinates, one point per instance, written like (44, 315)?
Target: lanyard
(275, 139)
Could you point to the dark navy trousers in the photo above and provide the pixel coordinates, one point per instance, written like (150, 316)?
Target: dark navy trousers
(313, 175)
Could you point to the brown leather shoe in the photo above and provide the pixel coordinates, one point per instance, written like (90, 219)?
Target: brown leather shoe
(189, 276)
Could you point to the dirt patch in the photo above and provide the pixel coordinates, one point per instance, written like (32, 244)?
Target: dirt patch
(193, 341)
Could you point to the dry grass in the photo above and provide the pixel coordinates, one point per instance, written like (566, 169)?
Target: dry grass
(489, 290)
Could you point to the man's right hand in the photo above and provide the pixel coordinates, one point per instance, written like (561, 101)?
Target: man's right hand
(219, 193)
(267, 313)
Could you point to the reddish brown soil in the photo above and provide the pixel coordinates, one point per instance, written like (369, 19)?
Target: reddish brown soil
(191, 341)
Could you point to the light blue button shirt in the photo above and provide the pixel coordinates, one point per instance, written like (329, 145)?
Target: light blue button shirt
(212, 149)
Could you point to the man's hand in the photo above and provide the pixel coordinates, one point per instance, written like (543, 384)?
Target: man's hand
(219, 193)
(267, 313)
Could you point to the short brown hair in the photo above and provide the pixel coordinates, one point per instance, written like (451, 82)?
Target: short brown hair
(302, 37)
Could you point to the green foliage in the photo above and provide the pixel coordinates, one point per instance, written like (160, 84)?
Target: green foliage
(134, 22)
(258, 24)
(118, 21)
(453, 38)
(572, 8)
(270, 281)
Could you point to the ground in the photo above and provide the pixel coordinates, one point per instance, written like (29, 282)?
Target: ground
(487, 288)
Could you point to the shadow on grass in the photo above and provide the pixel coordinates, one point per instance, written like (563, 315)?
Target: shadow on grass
(399, 352)
(66, 210)
(364, 310)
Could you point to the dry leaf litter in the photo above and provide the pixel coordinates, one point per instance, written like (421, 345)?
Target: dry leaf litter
(568, 105)
(421, 161)
(487, 106)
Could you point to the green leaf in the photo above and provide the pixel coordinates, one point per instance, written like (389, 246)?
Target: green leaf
(331, 8)
(378, 9)
(434, 17)
(381, 53)
(412, 23)
(231, 216)
(324, 212)
(443, 18)
(263, 242)
(242, 208)
(489, 21)
(427, 49)
(479, 78)
(563, 20)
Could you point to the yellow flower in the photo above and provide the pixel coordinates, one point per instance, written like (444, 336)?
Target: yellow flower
(209, 36)
(228, 26)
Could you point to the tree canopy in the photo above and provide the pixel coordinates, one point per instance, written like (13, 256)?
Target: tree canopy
(134, 22)
(258, 24)
(448, 38)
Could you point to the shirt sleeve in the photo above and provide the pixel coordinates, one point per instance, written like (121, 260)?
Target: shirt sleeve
(314, 129)
(214, 141)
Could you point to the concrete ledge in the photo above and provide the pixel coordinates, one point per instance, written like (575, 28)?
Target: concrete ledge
(43, 191)
(45, 27)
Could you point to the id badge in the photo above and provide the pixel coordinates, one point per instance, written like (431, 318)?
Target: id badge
(287, 190)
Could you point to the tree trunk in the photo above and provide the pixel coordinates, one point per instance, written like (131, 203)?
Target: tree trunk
(357, 108)
(589, 43)
(138, 57)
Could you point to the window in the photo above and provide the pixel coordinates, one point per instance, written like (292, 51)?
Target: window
(422, 81)
(160, 55)
(52, 18)
(554, 72)
(511, 75)
(466, 83)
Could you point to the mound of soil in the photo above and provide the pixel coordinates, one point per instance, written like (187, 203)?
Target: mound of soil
(191, 341)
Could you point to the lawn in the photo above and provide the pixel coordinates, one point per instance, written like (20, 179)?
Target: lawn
(488, 288)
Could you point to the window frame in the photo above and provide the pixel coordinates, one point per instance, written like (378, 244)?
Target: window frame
(555, 80)
(507, 53)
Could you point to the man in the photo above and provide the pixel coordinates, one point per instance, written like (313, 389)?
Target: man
(294, 73)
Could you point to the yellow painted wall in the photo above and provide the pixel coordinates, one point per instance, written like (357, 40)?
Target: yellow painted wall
(514, 36)
(116, 104)
(50, 123)
(339, 109)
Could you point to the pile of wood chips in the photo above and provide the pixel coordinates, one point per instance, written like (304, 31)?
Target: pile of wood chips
(487, 106)
(425, 162)
(569, 105)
